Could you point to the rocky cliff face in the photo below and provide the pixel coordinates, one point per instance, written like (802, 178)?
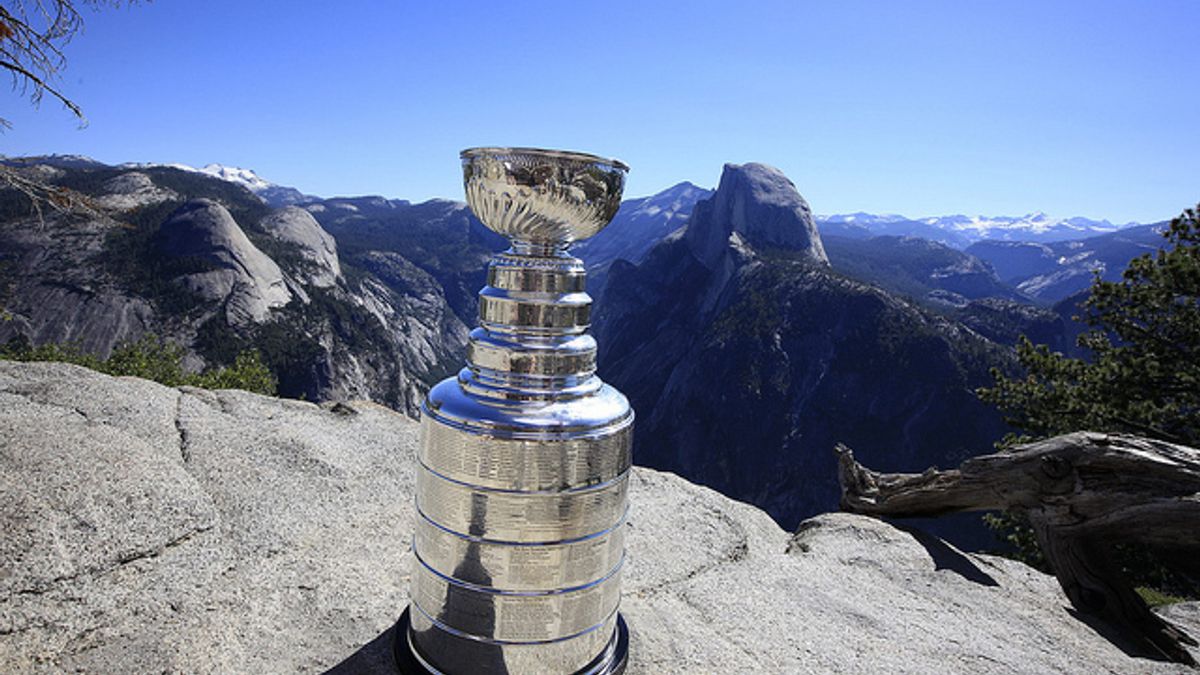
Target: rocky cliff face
(759, 205)
(151, 530)
(48, 290)
(240, 277)
(317, 247)
(441, 237)
(747, 359)
(131, 190)
(206, 264)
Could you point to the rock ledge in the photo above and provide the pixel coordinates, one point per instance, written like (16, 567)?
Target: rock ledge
(150, 529)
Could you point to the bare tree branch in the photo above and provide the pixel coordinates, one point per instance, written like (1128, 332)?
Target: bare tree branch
(40, 194)
(32, 36)
(41, 86)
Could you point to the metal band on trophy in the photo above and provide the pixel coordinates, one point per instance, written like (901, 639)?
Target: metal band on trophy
(524, 458)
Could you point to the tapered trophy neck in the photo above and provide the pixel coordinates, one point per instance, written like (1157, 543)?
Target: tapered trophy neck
(540, 249)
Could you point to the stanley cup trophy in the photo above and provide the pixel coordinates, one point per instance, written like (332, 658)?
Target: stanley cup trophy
(524, 459)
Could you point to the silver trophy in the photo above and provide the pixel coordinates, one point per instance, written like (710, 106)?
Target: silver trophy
(524, 459)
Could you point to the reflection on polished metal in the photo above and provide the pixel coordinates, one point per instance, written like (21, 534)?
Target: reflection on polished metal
(524, 459)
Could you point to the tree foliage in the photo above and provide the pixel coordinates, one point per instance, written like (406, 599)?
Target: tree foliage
(1143, 378)
(153, 359)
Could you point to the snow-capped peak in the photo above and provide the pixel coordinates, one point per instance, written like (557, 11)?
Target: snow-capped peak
(234, 174)
(1036, 226)
(860, 218)
(1037, 223)
(273, 194)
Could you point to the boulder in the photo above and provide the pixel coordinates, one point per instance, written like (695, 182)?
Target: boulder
(151, 529)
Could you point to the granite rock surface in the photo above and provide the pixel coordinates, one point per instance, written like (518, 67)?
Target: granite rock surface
(150, 529)
(203, 263)
(295, 225)
(248, 281)
(761, 206)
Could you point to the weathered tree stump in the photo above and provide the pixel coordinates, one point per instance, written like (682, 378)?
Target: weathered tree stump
(1083, 493)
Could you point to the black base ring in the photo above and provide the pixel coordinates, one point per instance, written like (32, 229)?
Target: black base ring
(615, 659)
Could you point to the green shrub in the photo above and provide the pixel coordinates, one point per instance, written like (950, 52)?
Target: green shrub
(154, 359)
(148, 358)
(247, 372)
(19, 349)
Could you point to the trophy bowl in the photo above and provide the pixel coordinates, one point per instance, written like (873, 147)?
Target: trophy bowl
(544, 198)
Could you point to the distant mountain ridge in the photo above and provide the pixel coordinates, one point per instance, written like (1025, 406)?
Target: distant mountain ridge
(640, 223)
(927, 271)
(1053, 271)
(652, 217)
(1035, 258)
(961, 231)
(273, 194)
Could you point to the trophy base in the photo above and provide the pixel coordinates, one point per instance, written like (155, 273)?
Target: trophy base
(611, 661)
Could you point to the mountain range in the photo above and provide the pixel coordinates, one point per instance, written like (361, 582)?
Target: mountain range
(749, 334)
(205, 263)
(961, 231)
(1056, 270)
(672, 205)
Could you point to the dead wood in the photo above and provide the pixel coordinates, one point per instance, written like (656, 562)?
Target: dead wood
(1083, 493)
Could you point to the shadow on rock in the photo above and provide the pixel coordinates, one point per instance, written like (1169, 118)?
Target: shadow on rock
(373, 658)
(1119, 640)
(947, 558)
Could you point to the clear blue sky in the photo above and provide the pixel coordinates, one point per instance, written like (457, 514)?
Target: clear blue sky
(921, 108)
